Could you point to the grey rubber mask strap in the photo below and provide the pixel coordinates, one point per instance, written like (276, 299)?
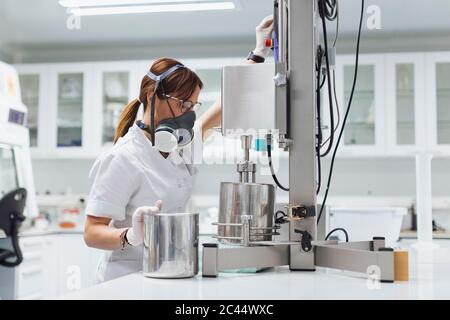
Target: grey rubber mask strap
(158, 79)
(165, 74)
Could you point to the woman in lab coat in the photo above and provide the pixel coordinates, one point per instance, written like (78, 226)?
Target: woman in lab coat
(140, 170)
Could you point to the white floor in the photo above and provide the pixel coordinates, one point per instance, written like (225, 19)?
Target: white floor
(429, 279)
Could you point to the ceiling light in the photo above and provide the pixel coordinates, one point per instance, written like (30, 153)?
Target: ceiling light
(92, 11)
(100, 3)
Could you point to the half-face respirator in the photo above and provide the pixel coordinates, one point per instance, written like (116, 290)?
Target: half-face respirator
(172, 133)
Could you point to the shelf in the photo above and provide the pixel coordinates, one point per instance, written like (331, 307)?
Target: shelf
(443, 125)
(70, 126)
(70, 101)
(360, 124)
(34, 100)
(406, 96)
(121, 100)
(409, 234)
(405, 92)
(406, 125)
(365, 92)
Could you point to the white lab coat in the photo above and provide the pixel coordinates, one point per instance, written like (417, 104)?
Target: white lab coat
(131, 175)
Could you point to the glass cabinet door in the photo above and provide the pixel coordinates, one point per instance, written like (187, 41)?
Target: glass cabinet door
(360, 127)
(443, 103)
(70, 110)
(115, 98)
(405, 103)
(29, 84)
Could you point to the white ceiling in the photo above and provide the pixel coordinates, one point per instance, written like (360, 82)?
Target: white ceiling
(43, 22)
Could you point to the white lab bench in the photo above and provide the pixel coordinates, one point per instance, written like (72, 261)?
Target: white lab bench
(429, 274)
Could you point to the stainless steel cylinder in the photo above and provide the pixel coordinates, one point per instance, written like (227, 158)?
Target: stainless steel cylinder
(171, 245)
(237, 199)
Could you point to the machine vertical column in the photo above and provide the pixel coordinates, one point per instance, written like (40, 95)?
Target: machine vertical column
(302, 46)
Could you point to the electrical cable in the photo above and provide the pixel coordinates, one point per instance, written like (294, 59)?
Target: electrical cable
(355, 77)
(320, 54)
(337, 108)
(336, 101)
(323, 81)
(269, 154)
(280, 217)
(335, 230)
(334, 77)
(327, 11)
(319, 171)
(337, 24)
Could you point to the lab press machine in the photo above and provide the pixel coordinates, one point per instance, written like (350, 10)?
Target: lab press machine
(17, 191)
(281, 98)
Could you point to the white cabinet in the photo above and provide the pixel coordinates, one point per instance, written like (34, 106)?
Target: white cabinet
(74, 107)
(365, 127)
(30, 274)
(401, 103)
(71, 110)
(54, 265)
(438, 101)
(405, 103)
(389, 115)
(73, 263)
(59, 98)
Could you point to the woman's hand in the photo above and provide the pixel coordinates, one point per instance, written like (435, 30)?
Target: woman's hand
(263, 32)
(135, 235)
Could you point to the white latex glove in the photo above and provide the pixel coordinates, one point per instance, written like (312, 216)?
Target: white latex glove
(135, 235)
(263, 32)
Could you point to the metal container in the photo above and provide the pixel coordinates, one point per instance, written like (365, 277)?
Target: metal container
(237, 199)
(171, 245)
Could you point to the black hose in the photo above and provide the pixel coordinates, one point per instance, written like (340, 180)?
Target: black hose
(327, 10)
(347, 112)
(269, 154)
(335, 230)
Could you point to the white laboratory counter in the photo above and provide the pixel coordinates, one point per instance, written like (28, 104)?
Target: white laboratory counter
(429, 273)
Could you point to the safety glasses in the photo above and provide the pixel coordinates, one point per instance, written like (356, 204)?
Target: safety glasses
(186, 105)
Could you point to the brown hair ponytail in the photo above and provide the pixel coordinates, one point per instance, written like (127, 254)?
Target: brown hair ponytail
(127, 118)
(181, 83)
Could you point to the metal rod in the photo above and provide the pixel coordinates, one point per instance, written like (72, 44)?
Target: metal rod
(265, 228)
(265, 234)
(246, 229)
(226, 238)
(227, 224)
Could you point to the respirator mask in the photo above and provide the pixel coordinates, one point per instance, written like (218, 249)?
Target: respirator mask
(173, 133)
